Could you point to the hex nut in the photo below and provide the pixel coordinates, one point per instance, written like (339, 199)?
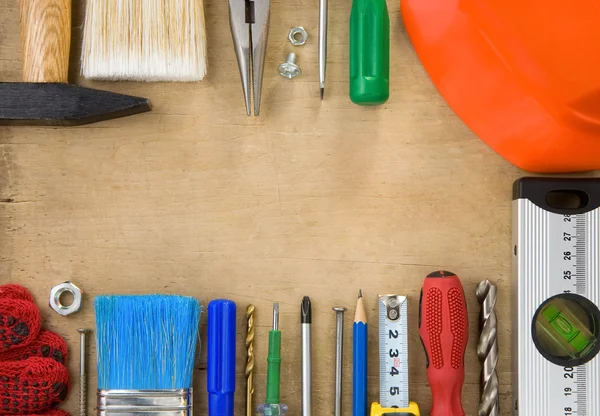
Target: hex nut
(57, 291)
(298, 36)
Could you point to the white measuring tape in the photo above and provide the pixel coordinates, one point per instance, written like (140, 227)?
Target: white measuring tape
(393, 351)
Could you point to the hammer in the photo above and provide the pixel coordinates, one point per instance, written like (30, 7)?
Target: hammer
(46, 98)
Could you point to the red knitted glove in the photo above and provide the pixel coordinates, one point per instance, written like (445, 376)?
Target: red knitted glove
(31, 386)
(51, 412)
(20, 323)
(14, 344)
(47, 344)
(15, 292)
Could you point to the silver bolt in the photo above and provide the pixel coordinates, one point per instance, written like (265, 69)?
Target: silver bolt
(339, 351)
(289, 69)
(83, 370)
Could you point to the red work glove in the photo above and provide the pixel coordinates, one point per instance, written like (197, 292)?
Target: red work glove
(33, 378)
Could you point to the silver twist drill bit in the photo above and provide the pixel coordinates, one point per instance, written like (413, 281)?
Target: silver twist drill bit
(250, 360)
(339, 352)
(83, 370)
(487, 348)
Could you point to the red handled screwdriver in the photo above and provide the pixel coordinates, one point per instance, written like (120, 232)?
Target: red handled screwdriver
(444, 330)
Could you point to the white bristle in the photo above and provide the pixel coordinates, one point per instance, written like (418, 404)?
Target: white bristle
(144, 40)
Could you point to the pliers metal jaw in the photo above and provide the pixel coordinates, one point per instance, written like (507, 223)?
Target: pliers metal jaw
(249, 21)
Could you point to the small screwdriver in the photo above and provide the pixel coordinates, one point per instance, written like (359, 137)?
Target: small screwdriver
(369, 52)
(444, 330)
(272, 407)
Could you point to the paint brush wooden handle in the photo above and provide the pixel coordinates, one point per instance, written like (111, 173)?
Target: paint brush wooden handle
(45, 40)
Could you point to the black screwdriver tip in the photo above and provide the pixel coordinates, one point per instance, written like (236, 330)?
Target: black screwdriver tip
(306, 311)
(359, 293)
(322, 93)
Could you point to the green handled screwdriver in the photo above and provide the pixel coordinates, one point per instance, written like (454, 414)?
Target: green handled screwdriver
(369, 52)
(272, 407)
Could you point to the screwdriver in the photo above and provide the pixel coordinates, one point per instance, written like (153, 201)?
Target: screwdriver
(369, 52)
(444, 330)
(272, 407)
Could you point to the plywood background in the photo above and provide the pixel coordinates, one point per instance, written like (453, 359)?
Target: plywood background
(311, 198)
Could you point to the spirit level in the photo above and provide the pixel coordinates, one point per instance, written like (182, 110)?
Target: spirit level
(556, 250)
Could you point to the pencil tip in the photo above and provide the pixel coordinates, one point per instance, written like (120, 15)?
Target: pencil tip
(359, 293)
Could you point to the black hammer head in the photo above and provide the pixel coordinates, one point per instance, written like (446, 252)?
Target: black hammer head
(61, 104)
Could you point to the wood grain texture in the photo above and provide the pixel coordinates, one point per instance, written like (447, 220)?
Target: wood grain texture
(45, 40)
(311, 198)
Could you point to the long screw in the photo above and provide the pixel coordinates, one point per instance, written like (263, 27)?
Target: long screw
(339, 351)
(250, 360)
(83, 370)
(487, 348)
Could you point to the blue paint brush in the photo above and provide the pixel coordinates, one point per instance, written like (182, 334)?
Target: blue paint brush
(146, 349)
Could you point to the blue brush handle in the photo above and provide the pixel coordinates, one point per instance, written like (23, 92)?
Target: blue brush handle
(359, 369)
(221, 357)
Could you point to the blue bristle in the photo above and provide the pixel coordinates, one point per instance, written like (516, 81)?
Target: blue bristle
(146, 342)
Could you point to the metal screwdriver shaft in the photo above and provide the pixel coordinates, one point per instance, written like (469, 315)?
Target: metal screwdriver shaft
(487, 348)
(339, 353)
(322, 44)
(272, 406)
(306, 322)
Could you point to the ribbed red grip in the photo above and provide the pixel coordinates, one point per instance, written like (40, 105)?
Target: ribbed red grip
(444, 330)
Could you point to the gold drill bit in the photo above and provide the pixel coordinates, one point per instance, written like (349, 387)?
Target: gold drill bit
(250, 360)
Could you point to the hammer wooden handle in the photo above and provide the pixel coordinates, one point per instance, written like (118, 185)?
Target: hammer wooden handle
(45, 40)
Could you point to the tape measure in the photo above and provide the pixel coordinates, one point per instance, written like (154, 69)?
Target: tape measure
(393, 358)
(556, 252)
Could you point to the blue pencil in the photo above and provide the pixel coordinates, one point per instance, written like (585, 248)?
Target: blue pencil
(360, 360)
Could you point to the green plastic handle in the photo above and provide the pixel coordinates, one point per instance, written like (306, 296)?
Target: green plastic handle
(273, 367)
(369, 52)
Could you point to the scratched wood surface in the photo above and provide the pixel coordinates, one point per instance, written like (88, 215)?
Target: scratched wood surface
(311, 198)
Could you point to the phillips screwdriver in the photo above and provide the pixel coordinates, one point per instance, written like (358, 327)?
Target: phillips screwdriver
(272, 406)
(369, 52)
(444, 330)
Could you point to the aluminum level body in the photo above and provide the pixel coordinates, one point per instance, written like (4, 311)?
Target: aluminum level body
(542, 269)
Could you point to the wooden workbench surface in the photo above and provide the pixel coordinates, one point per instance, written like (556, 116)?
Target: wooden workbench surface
(311, 198)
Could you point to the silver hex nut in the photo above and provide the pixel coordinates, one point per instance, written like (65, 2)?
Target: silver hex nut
(298, 36)
(57, 291)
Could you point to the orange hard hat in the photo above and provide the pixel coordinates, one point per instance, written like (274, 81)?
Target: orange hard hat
(523, 75)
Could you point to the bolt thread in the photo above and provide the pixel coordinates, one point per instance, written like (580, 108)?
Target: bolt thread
(291, 58)
(487, 348)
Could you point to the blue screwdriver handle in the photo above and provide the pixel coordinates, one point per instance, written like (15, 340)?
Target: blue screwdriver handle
(221, 357)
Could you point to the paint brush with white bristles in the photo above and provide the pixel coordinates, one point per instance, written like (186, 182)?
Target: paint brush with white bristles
(144, 40)
(146, 349)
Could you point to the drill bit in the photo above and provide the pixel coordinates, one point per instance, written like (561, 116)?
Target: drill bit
(250, 360)
(487, 348)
